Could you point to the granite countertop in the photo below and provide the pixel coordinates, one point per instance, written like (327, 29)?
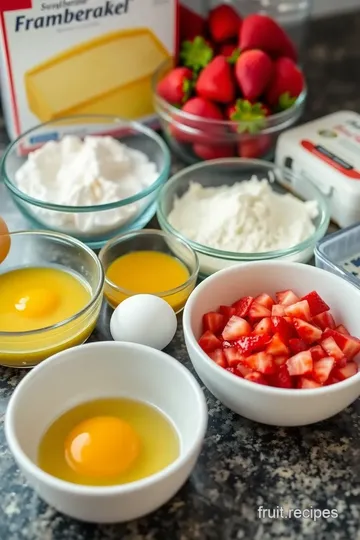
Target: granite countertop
(243, 465)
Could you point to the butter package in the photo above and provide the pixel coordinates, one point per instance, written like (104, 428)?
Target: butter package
(75, 57)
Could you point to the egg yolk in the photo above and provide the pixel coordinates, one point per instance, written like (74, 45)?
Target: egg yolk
(37, 302)
(102, 446)
(4, 241)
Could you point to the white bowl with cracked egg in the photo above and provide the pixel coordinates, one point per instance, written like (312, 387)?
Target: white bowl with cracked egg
(92, 177)
(237, 210)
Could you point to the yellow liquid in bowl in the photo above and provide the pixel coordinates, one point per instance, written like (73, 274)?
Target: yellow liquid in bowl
(33, 299)
(108, 442)
(148, 272)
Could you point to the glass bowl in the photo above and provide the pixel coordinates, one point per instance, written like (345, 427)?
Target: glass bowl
(95, 224)
(42, 249)
(221, 172)
(150, 240)
(195, 139)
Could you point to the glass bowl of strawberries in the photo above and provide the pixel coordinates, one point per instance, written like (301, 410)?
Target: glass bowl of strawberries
(233, 91)
(276, 342)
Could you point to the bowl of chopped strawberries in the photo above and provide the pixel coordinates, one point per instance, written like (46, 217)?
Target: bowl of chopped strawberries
(233, 91)
(276, 342)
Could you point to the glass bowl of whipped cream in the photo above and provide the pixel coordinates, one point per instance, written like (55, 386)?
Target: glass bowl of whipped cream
(92, 177)
(243, 210)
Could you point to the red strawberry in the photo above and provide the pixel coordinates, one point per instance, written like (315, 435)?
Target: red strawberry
(342, 330)
(265, 300)
(256, 378)
(286, 84)
(297, 345)
(227, 311)
(277, 347)
(230, 51)
(322, 369)
(243, 370)
(255, 147)
(324, 320)
(224, 23)
(191, 129)
(332, 349)
(196, 54)
(218, 357)
(282, 379)
(345, 372)
(212, 151)
(349, 345)
(216, 82)
(262, 32)
(253, 71)
(263, 327)
(233, 356)
(278, 310)
(283, 328)
(304, 383)
(300, 364)
(236, 328)
(209, 342)
(316, 303)
(176, 86)
(317, 353)
(247, 117)
(214, 322)
(257, 311)
(307, 332)
(242, 306)
(252, 343)
(280, 360)
(287, 298)
(300, 310)
(261, 362)
(190, 23)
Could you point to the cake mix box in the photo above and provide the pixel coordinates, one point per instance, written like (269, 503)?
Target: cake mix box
(75, 57)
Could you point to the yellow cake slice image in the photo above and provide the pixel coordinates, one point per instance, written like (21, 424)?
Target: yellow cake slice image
(110, 74)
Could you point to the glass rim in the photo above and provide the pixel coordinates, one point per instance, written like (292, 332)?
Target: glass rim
(233, 255)
(151, 134)
(150, 232)
(94, 295)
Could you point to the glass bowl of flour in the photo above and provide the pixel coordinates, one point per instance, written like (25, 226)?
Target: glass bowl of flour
(242, 210)
(92, 177)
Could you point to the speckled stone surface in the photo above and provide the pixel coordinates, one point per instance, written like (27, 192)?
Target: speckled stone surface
(243, 465)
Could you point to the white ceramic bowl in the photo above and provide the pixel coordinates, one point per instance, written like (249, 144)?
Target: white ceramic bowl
(268, 405)
(100, 370)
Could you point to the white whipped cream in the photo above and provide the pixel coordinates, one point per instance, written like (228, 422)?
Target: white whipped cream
(245, 217)
(93, 171)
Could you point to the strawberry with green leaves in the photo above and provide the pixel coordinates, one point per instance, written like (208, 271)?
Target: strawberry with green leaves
(216, 81)
(250, 117)
(224, 23)
(196, 54)
(190, 128)
(286, 84)
(176, 86)
(230, 51)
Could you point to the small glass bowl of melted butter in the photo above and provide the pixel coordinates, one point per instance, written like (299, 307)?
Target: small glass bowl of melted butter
(51, 289)
(149, 262)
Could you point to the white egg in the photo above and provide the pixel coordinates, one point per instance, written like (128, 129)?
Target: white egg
(144, 319)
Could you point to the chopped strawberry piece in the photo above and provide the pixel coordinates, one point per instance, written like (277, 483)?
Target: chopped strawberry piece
(233, 356)
(261, 362)
(300, 364)
(349, 345)
(324, 320)
(281, 326)
(256, 378)
(227, 311)
(263, 327)
(218, 357)
(297, 345)
(280, 360)
(209, 342)
(317, 353)
(282, 379)
(276, 346)
(236, 328)
(342, 330)
(316, 303)
(252, 343)
(332, 349)
(345, 372)
(287, 298)
(307, 332)
(234, 371)
(265, 300)
(304, 382)
(332, 380)
(278, 310)
(258, 311)
(300, 310)
(243, 369)
(322, 369)
(242, 306)
(214, 322)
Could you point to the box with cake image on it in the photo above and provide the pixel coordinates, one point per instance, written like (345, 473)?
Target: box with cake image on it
(71, 57)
